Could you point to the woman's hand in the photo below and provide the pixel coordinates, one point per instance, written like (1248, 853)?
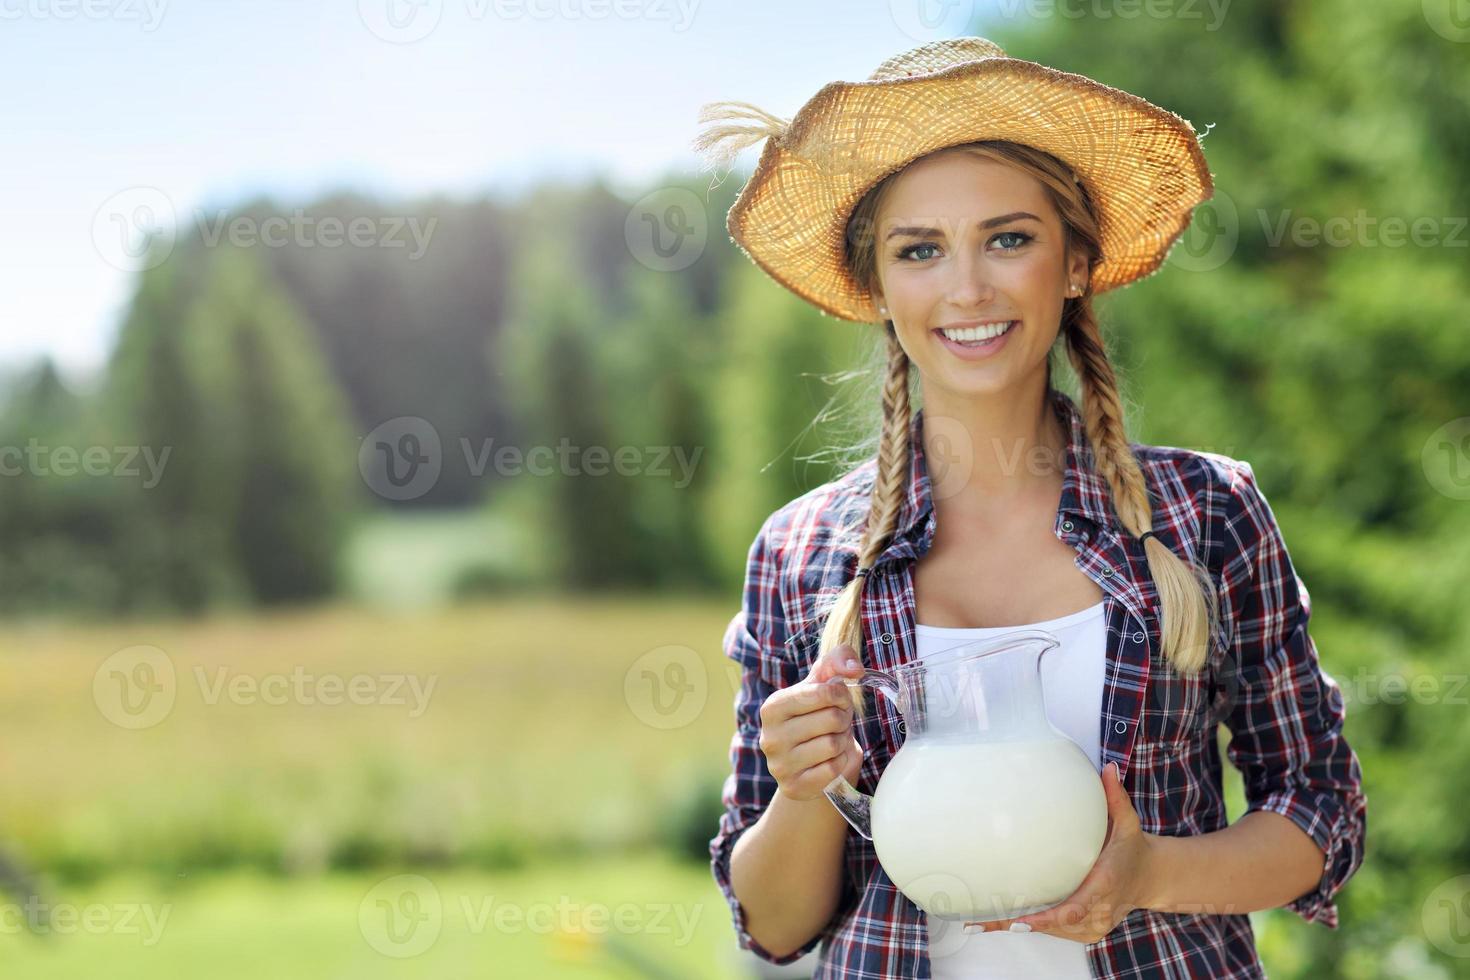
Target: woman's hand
(806, 729)
(1119, 882)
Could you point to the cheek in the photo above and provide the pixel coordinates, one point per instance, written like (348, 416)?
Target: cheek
(1032, 281)
(911, 306)
(912, 289)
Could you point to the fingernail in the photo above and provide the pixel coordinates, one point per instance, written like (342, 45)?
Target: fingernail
(1020, 927)
(851, 664)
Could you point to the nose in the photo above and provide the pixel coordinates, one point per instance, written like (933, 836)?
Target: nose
(969, 285)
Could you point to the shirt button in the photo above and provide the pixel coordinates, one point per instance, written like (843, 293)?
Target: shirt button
(1107, 571)
(1120, 727)
(886, 638)
(1138, 637)
(1066, 525)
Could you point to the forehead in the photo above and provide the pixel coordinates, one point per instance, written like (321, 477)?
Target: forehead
(957, 186)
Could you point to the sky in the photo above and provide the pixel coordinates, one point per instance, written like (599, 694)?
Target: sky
(121, 115)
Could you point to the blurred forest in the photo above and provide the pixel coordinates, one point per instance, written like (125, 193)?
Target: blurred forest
(245, 379)
(1338, 367)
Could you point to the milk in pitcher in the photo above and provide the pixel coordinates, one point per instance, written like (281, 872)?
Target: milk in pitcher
(983, 830)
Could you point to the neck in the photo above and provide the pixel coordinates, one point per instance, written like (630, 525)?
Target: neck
(993, 453)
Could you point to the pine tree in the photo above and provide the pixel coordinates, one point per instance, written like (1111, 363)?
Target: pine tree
(547, 355)
(178, 553)
(283, 460)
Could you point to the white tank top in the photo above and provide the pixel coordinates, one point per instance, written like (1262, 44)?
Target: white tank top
(1072, 682)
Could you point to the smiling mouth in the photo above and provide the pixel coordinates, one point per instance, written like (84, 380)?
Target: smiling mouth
(977, 337)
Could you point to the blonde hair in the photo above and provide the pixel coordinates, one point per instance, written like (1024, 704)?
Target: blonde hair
(1188, 603)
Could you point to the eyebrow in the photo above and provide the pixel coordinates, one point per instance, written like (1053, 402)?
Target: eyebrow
(921, 230)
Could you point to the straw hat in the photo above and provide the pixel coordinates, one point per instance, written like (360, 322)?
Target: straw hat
(1142, 165)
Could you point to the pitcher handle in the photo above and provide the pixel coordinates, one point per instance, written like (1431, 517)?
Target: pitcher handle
(852, 803)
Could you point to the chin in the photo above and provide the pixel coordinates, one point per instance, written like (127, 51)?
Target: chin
(978, 382)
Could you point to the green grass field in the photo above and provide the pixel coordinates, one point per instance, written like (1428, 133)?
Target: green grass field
(632, 917)
(481, 735)
(260, 778)
(513, 747)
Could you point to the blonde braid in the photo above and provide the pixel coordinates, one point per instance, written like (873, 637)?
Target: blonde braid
(844, 622)
(1187, 602)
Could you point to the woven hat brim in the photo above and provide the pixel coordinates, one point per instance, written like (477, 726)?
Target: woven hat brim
(1141, 163)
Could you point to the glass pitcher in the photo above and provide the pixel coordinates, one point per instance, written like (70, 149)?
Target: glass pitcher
(987, 811)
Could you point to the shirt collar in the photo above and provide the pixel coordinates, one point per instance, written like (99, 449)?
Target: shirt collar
(1084, 491)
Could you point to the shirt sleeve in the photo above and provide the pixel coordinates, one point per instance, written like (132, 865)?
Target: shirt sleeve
(1286, 714)
(755, 640)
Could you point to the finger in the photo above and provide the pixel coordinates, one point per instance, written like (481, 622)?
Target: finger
(1117, 792)
(1060, 933)
(840, 661)
(815, 751)
(810, 696)
(1059, 918)
(1039, 921)
(1124, 803)
(1061, 914)
(1113, 786)
(1120, 808)
(832, 719)
(849, 754)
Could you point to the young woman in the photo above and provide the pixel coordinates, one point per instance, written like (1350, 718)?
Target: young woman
(973, 205)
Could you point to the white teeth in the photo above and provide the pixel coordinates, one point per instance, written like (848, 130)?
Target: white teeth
(979, 333)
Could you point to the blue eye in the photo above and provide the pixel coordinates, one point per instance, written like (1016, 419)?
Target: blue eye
(1024, 238)
(909, 250)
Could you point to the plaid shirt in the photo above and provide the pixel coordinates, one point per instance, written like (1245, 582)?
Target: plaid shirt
(1262, 680)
